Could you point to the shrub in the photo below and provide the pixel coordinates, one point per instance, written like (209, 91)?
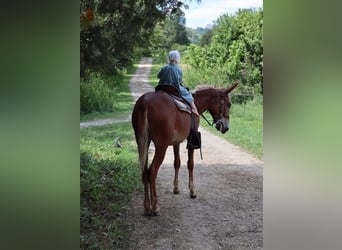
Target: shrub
(95, 95)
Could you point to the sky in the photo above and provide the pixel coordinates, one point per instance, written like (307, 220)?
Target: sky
(203, 14)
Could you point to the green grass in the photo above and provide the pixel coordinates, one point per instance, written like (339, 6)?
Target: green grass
(246, 127)
(109, 175)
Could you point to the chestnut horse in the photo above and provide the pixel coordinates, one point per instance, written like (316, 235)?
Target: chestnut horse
(156, 118)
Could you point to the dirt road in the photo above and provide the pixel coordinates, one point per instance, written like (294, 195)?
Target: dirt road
(228, 210)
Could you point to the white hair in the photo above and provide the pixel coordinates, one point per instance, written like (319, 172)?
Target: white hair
(174, 55)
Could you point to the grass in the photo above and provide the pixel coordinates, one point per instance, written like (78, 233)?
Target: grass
(109, 174)
(246, 127)
(122, 98)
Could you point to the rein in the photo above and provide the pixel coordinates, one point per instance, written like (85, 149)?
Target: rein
(205, 118)
(220, 110)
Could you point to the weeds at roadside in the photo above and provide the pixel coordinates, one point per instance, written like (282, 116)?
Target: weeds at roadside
(108, 176)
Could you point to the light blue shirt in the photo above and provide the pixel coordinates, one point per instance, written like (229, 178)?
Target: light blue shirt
(171, 74)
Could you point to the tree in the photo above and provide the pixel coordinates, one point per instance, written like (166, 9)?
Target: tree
(181, 34)
(173, 29)
(234, 50)
(206, 38)
(111, 31)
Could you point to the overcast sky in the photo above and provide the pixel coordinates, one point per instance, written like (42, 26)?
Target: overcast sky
(200, 15)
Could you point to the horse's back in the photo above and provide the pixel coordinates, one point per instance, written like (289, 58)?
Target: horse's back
(154, 100)
(155, 107)
(158, 111)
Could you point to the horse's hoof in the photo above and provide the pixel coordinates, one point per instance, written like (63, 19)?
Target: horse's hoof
(193, 195)
(148, 212)
(156, 211)
(176, 191)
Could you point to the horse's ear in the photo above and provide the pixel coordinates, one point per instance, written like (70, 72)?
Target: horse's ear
(228, 90)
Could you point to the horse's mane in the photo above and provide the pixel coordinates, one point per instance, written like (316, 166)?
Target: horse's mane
(204, 87)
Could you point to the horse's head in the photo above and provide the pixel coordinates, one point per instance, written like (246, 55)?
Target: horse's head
(219, 109)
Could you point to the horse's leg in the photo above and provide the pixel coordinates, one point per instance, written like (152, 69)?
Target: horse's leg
(153, 171)
(191, 168)
(145, 180)
(176, 164)
(147, 203)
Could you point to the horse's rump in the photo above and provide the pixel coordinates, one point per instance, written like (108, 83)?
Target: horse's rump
(158, 112)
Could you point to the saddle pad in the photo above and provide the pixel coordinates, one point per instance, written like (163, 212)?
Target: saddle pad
(181, 105)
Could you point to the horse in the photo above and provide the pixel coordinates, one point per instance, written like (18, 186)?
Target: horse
(156, 118)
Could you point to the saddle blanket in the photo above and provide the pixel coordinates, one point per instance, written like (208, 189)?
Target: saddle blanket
(181, 105)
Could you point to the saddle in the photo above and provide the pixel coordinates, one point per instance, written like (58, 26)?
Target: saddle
(181, 104)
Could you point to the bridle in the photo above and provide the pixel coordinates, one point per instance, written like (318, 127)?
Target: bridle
(218, 122)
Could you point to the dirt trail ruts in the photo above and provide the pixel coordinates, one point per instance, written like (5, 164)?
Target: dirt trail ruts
(228, 210)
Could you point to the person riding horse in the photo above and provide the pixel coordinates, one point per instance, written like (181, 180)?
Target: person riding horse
(171, 74)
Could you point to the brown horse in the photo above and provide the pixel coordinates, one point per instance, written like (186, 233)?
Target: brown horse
(156, 118)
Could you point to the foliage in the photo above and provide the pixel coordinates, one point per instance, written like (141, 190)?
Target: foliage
(178, 20)
(108, 175)
(113, 31)
(108, 96)
(206, 37)
(231, 51)
(167, 34)
(158, 43)
(174, 29)
(153, 79)
(195, 35)
(95, 95)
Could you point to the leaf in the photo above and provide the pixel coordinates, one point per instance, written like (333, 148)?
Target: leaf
(89, 14)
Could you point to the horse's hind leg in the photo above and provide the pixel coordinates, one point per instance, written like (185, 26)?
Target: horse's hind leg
(153, 171)
(145, 180)
(191, 177)
(176, 164)
(147, 202)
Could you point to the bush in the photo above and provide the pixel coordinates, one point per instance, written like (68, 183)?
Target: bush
(95, 95)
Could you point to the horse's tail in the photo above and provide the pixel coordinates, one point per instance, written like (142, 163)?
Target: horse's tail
(141, 128)
(143, 143)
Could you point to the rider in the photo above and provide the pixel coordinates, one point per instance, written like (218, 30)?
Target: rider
(171, 74)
